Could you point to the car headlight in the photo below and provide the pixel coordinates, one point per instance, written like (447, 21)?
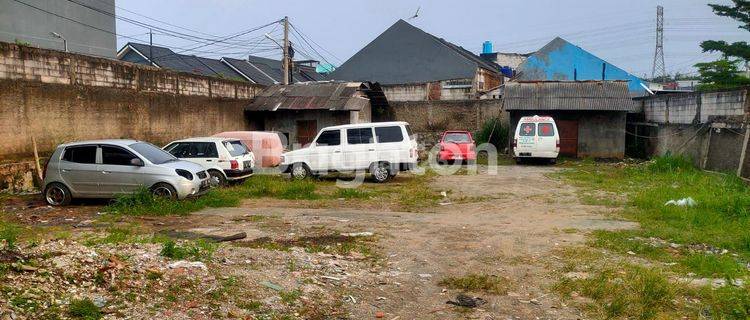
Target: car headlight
(184, 173)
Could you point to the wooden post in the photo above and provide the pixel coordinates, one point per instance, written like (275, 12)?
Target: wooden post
(706, 148)
(36, 161)
(744, 149)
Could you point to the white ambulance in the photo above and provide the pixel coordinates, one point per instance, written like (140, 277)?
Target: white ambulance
(536, 137)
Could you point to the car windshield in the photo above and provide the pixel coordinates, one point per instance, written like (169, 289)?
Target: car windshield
(236, 148)
(152, 153)
(457, 137)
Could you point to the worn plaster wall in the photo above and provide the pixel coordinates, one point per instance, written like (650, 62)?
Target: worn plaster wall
(285, 121)
(56, 97)
(687, 108)
(460, 89)
(429, 119)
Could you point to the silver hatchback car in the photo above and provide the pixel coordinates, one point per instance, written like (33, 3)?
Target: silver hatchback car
(107, 168)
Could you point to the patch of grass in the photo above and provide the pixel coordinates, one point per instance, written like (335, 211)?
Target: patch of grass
(351, 193)
(10, 232)
(331, 244)
(143, 202)
(624, 292)
(477, 283)
(289, 297)
(84, 309)
(711, 265)
(198, 250)
(250, 305)
(416, 193)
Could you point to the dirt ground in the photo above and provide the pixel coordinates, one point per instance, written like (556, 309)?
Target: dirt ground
(508, 225)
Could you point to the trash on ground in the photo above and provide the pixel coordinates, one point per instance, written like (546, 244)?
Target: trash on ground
(187, 265)
(463, 300)
(358, 234)
(272, 285)
(684, 202)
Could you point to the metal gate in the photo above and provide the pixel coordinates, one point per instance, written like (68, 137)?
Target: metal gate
(568, 137)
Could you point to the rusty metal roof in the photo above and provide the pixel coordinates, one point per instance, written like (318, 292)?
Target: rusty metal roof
(569, 95)
(311, 96)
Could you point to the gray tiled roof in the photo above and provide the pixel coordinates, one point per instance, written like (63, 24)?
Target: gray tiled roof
(406, 54)
(568, 95)
(168, 59)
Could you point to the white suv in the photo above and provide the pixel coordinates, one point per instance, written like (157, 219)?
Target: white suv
(224, 159)
(381, 148)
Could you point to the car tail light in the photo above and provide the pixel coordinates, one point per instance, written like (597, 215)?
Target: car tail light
(515, 142)
(557, 143)
(235, 164)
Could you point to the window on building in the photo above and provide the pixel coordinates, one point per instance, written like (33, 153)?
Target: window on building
(389, 134)
(329, 138)
(80, 154)
(359, 136)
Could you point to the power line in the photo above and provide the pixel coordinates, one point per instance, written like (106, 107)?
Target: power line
(313, 41)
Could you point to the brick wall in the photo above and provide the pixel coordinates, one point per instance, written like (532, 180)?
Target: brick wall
(429, 119)
(58, 97)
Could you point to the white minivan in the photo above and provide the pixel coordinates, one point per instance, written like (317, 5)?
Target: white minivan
(380, 148)
(536, 137)
(225, 159)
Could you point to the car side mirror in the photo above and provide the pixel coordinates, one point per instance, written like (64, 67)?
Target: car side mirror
(136, 162)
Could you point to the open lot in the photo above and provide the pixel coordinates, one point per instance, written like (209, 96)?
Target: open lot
(534, 242)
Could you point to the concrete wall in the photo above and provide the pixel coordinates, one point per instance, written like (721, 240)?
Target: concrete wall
(56, 97)
(29, 25)
(458, 89)
(429, 119)
(285, 121)
(601, 134)
(687, 108)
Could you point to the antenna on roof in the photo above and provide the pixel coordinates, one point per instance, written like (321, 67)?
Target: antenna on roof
(416, 14)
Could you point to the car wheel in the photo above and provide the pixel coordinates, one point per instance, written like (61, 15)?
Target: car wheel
(552, 161)
(164, 190)
(519, 160)
(57, 194)
(381, 172)
(217, 179)
(300, 171)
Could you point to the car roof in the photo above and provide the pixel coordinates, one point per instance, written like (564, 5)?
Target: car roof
(368, 124)
(205, 139)
(116, 142)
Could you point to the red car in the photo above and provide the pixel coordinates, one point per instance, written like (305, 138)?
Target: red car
(457, 146)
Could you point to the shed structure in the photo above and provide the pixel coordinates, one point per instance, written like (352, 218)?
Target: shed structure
(590, 115)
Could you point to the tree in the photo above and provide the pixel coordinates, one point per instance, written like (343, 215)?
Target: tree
(724, 73)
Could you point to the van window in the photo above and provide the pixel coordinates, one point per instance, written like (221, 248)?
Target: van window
(236, 148)
(528, 129)
(80, 154)
(546, 130)
(457, 137)
(329, 138)
(408, 132)
(116, 156)
(389, 134)
(359, 136)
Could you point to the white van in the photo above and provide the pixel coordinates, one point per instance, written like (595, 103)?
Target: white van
(224, 159)
(536, 137)
(381, 148)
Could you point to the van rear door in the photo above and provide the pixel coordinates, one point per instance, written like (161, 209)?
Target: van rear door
(546, 140)
(526, 138)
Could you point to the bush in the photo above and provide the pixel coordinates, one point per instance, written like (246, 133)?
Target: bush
(84, 309)
(493, 131)
(199, 250)
(671, 163)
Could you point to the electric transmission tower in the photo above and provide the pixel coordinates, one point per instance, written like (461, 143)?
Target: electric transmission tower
(659, 68)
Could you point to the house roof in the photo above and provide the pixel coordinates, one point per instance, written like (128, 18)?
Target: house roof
(405, 54)
(569, 95)
(335, 96)
(562, 60)
(256, 69)
(168, 59)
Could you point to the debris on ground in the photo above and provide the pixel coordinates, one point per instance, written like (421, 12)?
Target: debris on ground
(463, 300)
(684, 202)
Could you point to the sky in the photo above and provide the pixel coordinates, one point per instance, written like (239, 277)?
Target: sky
(621, 32)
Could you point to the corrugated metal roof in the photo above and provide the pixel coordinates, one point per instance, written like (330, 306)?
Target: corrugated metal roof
(569, 95)
(311, 96)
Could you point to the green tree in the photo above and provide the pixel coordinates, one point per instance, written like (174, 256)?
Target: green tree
(724, 73)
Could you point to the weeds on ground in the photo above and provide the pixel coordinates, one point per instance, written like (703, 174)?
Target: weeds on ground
(351, 193)
(477, 283)
(331, 244)
(686, 241)
(199, 250)
(84, 309)
(9, 233)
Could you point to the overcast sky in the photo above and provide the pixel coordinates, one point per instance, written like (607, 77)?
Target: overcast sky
(621, 32)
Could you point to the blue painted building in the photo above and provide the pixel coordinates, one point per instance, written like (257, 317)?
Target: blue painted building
(562, 60)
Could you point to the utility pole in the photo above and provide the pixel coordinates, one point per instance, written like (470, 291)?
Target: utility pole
(150, 46)
(285, 61)
(659, 68)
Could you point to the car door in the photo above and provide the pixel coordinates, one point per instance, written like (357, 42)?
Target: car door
(325, 153)
(79, 169)
(360, 150)
(118, 174)
(526, 142)
(390, 142)
(546, 140)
